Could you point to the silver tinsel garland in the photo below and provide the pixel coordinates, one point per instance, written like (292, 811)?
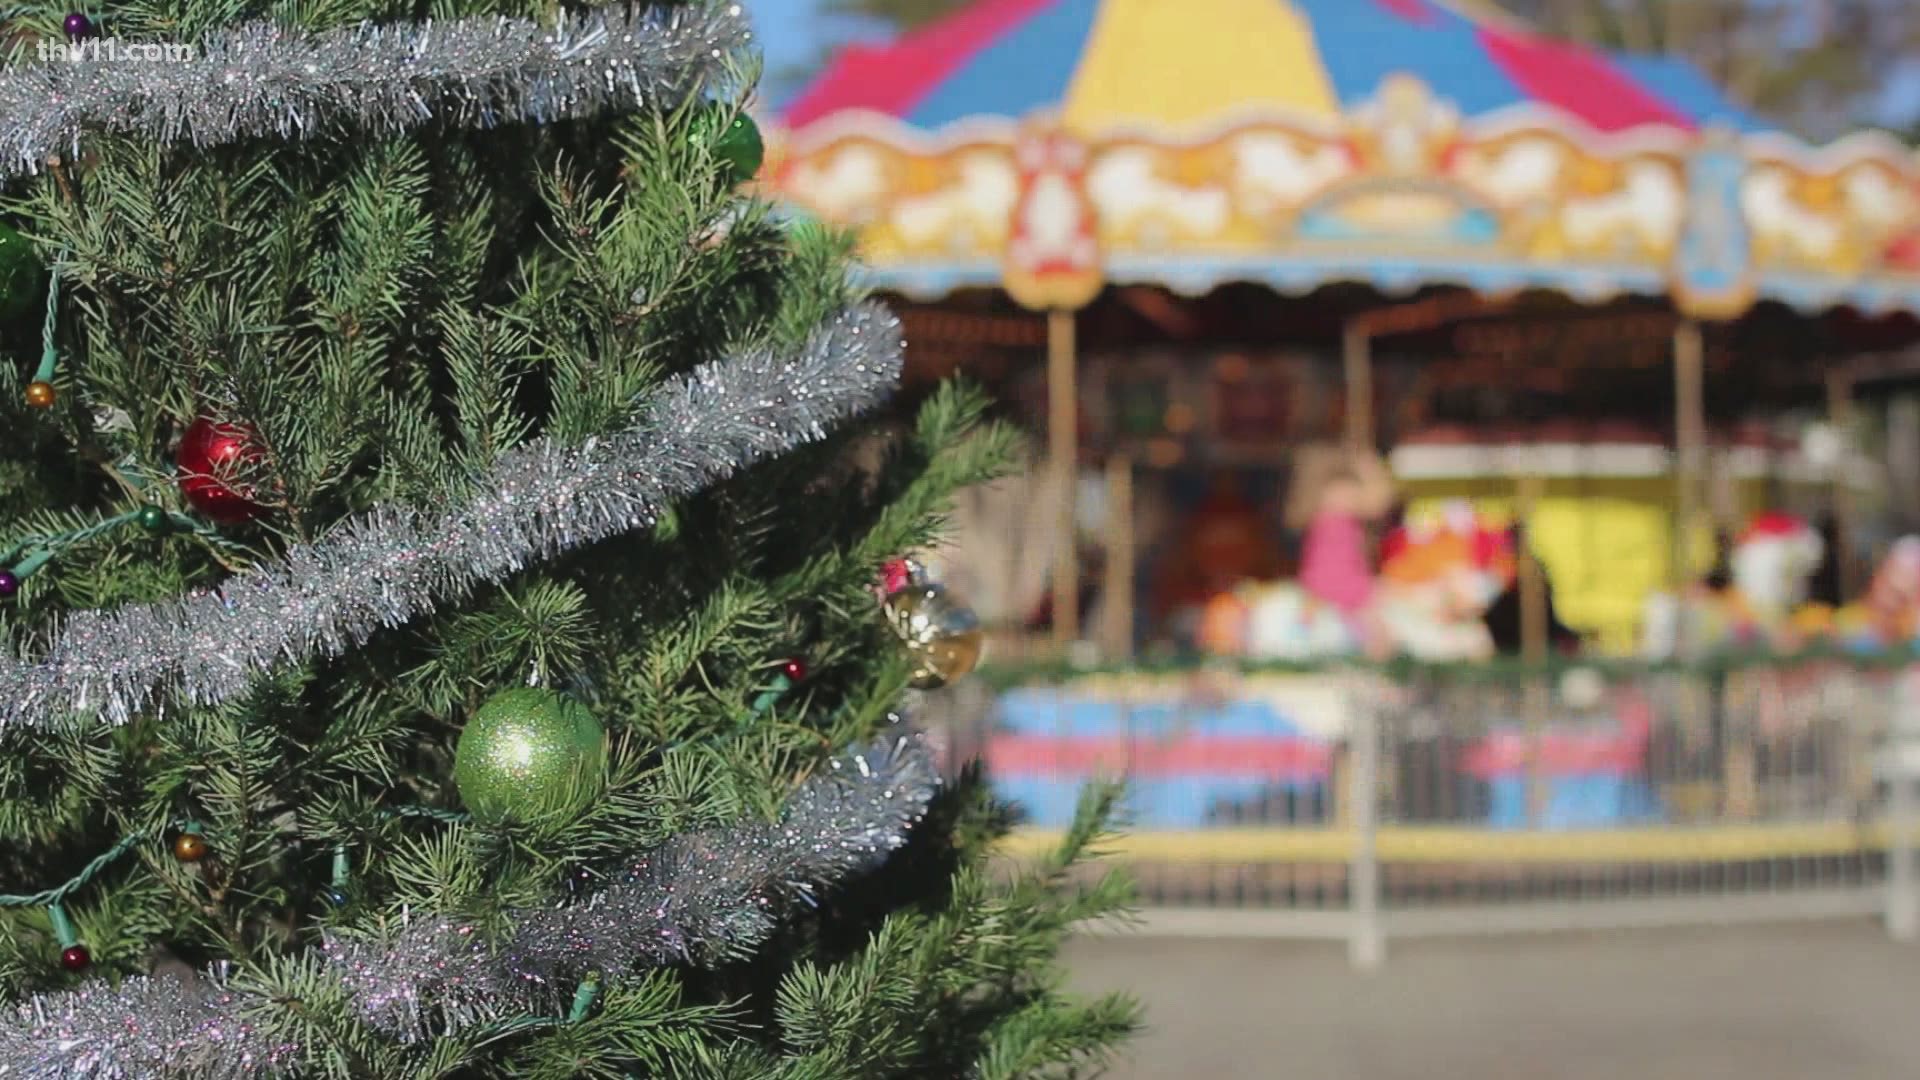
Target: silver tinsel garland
(699, 897)
(261, 80)
(392, 565)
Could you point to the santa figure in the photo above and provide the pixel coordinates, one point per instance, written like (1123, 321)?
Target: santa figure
(1771, 564)
(1769, 567)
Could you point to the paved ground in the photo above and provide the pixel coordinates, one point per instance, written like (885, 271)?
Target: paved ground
(1830, 1002)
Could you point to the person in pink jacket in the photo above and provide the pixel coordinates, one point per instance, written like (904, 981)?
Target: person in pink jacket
(1334, 565)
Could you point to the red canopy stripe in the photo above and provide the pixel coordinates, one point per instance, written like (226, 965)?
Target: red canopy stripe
(891, 79)
(1577, 81)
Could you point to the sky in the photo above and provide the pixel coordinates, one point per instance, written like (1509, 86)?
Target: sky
(789, 29)
(794, 35)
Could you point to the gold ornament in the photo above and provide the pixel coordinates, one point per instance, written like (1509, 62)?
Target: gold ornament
(41, 394)
(942, 634)
(189, 847)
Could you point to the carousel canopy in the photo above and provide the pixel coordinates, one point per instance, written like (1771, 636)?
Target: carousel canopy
(1050, 146)
(1108, 66)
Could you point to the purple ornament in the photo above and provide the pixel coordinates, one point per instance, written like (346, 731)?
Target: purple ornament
(78, 25)
(9, 584)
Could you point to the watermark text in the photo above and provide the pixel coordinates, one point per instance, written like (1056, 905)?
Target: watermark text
(115, 51)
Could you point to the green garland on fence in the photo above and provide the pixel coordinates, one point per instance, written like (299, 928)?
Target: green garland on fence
(1405, 670)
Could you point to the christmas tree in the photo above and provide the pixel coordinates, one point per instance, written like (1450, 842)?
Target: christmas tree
(448, 627)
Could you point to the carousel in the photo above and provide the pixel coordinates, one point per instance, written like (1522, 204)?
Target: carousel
(1593, 323)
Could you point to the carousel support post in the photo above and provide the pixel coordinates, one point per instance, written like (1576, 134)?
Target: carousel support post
(1356, 347)
(1063, 436)
(1902, 916)
(1118, 587)
(1366, 934)
(1840, 415)
(1690, 438)
(1533, 641)
(1357, 360)
(1353, 783)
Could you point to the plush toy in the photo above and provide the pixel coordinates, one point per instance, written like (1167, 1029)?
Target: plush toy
(1275, 620)
(1287, 622)
(1222, 628)
(1770, 566)
(1888, 617)
(1685, 625)
(1436, 580)
(1772, 563)
(1327, 612)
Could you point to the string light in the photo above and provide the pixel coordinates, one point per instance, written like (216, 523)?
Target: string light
(31, 554)
(40, 392)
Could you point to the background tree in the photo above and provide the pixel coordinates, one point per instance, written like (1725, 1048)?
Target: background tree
(1819, 67)
(899, 15)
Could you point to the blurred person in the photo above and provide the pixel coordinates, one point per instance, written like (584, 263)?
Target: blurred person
(1344, 493)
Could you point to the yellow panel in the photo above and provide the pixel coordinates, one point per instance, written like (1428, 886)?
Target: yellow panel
(1602, 554)
(1168, 66)
(1604, 557)
(1606, 545)
(1657, 489)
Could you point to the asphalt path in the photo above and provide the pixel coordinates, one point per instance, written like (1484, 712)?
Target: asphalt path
(1828, 1001)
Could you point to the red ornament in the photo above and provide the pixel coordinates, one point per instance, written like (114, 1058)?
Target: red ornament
(895, 575)
(213, 459)
(795, 669)
(75, 958)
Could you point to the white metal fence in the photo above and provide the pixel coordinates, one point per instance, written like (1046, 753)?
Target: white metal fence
(1365, 806)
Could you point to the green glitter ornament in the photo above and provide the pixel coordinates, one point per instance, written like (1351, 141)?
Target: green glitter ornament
(154, 520)
(22, 277)
(528, 753)
(734, 140)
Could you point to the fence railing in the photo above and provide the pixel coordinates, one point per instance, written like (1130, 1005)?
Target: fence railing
(1368, 804)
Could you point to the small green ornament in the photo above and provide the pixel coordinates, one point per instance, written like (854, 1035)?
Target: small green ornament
(154, 520)
(528, 753)
(21, 275)
(734, 140)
